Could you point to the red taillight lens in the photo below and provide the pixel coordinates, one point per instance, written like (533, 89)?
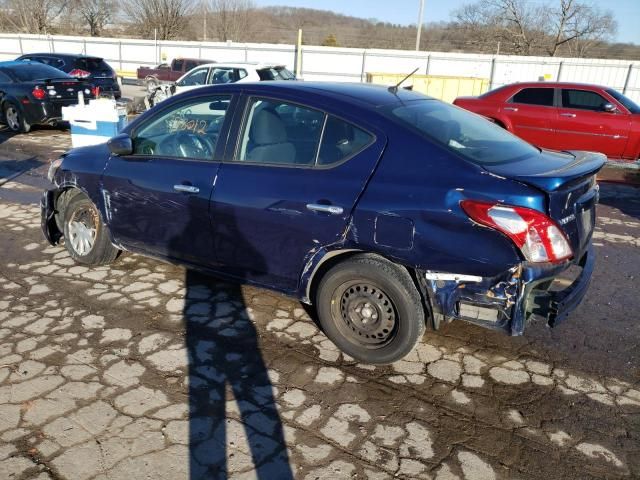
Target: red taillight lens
(95, 91)
(538, 237)
(79, 73)
(38, 93)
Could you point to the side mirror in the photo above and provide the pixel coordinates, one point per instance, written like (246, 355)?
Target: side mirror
(609, 107)
(120, 145)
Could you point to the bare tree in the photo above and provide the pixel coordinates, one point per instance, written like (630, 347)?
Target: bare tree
(167, 17)
(231, 18)
(34, 16)
(526, 28)
(95, 14)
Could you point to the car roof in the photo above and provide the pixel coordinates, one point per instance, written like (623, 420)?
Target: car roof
(255, 65)
(59, 55)
(366, 95)
(555, 85)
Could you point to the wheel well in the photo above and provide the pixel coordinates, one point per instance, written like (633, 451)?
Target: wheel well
(324, 267)
(62, 200)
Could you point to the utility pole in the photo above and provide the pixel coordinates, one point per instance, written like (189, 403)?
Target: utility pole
(419, 25)
(204, 20)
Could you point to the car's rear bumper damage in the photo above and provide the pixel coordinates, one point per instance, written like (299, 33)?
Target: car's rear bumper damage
(507, 301)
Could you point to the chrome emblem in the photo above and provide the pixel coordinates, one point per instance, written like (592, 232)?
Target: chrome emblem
(565, 220)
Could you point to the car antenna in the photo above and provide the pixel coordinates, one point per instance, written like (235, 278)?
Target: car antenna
(394, 88)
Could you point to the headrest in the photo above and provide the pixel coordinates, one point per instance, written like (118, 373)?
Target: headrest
(267, 128)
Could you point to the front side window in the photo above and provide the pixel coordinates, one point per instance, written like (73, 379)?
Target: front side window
(278, 132)
(534, 96)
(197, 77)
(462, 132)
(583, 100)
(188, 130)
(624, 100)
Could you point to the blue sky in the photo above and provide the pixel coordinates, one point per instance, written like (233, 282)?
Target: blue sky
(627, 12)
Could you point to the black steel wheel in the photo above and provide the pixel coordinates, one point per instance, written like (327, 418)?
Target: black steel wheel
(371, 309)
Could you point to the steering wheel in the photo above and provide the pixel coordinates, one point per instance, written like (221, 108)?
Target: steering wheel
(188, 145)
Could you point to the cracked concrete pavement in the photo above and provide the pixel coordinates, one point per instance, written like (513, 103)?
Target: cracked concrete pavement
(145, 370)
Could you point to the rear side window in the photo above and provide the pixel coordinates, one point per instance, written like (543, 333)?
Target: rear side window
(177, 65)
(534, 96)
(341, 140)
(278, 132)
(92, 65)
(582, 99)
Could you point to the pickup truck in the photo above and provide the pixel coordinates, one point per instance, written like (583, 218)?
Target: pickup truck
(152, 77)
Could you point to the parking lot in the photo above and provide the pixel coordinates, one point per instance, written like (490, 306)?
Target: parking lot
(147, 370)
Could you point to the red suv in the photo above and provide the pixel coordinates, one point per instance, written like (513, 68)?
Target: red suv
(564, 116)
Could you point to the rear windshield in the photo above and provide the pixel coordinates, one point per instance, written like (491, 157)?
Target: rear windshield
(462, 132)
(275, 73)
(36, 71)
(624, 100)
(93, 65)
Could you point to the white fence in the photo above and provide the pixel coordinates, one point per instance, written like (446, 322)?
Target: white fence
(339, 64)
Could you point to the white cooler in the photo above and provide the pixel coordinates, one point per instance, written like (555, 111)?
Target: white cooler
(94, 123)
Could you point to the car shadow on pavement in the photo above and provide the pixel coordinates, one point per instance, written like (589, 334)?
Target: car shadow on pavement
(625, 198)
(231, 398)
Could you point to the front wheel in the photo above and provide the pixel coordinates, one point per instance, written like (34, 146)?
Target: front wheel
(14, 118)
(371, 309)
(85, 235)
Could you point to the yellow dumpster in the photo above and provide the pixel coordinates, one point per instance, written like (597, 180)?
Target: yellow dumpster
(441, 87)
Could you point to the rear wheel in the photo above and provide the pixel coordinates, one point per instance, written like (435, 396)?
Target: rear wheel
(371, 309)
(14, 118)
(85, 235)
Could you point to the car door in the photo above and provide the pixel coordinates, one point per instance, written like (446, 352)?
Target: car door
(530, 112)
(194, 79)
(157, 198)
(583, 123)
(287, 189)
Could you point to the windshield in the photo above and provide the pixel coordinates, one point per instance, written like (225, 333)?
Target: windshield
(624, 100)
(465, 133)
(36, 71)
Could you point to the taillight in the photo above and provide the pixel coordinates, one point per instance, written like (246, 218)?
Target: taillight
(95, 91)
(38, 93)
(538, 237)
(79, 73)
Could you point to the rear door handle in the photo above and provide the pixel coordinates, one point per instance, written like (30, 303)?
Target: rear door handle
(331, 209)
(511, 109)
(570, 115)
(186, 188)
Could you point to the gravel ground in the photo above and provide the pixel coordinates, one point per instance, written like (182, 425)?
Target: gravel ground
(147, 370)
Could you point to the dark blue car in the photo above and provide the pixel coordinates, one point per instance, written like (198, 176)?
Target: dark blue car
(387, 210)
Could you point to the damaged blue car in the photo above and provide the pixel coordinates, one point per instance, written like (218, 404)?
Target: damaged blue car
(388, 211)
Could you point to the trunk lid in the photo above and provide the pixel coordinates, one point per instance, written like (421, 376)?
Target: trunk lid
(569, 181)
(64, 89)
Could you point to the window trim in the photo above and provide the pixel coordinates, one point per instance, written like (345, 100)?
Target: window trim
(238, 142)
(224, 130)
(554, 101)
(607, 100)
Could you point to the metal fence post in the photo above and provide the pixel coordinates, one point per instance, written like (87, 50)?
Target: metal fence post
(20, 43)
(363, 73)
(84, 46)
(120, 53)
(426, 71)
(559, 70)
(626, 81)
(200, 51)
(491, 74)
(246, 53)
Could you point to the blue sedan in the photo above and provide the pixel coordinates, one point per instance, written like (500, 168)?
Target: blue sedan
(387, 210)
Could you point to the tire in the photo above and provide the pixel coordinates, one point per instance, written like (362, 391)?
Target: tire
(371, 309)
(82, 220)
(14, 118)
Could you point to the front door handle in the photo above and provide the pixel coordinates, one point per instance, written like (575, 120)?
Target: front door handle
(511, 109)
(331, 209)
(570, 115)
(186, 188)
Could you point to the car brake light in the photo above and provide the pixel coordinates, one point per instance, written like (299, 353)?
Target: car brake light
(95, 91)
(79, 73)
(537, 236)
(38, 93)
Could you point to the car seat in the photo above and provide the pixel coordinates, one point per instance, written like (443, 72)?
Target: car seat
(269, 139)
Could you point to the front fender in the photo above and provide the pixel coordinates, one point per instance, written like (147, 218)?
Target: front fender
(48, 217)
